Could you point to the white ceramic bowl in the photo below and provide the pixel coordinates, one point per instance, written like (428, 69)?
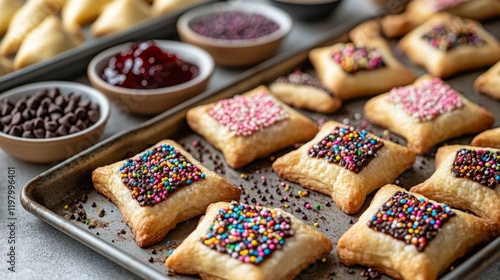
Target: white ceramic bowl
(154, 101)
(235, 53)
(47, 150)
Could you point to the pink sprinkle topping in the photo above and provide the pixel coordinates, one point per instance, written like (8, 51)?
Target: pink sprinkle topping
(427, 100)
(246, 115)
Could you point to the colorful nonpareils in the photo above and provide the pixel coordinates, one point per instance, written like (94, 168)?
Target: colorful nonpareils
(426, 100)
(245, 115)
(455, 33)
(482, 166)
(248, 233)
(157, 174)
(410, 219)
(347, 147)
(353, 59)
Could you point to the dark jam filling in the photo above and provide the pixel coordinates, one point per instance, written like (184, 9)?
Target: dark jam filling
(145, 66)
(233, 25)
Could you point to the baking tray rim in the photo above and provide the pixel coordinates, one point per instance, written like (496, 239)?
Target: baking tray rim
(470, 267)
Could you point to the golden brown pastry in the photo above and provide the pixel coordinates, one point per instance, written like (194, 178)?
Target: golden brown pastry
(353, 70)
(388, 239)
(426, 113)
(301, 90)
(345, 163)
(250, 126)
(29, 16)
(489, 82)
(44, 42)
(487, 138)
(173, 188)
(120, 15)
(79, 13)
(418, 11)
(163, 7)
(466, 177)
(5, 66)
(280, 253)
(9, 8)
(446, 44)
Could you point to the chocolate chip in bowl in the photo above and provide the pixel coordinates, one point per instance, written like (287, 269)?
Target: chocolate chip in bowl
(237, 33)
(150, 77)
(51, 121)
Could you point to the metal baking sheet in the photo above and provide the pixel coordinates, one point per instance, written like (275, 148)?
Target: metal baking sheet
(69, 183)
(74, 62)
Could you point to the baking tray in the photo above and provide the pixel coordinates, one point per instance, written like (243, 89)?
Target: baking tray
(69, 183)
(74, 61)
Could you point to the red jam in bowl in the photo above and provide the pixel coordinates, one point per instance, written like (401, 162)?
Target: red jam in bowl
(233, 25)
(145, 66)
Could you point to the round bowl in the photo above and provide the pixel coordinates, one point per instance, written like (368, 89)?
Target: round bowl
(153, 101)
(48, 150)
(308, 10)
(237, 53)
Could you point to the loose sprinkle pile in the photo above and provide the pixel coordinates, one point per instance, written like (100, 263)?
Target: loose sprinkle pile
(247, 233)
(246, 115)
(157, 174)
(482, 166)
(427, 100)
(455, 33)
(302, 79)
(412, 220)
(348, 147)
(353, 59)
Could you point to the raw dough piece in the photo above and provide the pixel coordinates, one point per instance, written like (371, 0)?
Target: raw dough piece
(443, 57)
(149, 223)
(424, 125)
(45, 41)
(9, 8)
(78, 12)
(366, 171)
(29, 16)
(163, 7)
(120, 15)
(479, 194)
(457, 234)
(260, 125)
(302, 246)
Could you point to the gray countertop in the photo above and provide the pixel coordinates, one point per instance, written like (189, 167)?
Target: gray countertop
(42, 252)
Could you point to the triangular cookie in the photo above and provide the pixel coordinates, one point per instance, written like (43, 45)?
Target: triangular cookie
(162, 7)
(120, 15)
(44, 42)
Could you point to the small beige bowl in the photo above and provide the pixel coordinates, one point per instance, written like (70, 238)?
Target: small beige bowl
(154, 101)
(58, 148)
(237, 53)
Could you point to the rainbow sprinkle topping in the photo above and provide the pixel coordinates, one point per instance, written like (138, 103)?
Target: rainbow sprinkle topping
(482, 166)
(427, 100)
(353, 59)
(409, 219)
(248, 233)
(247, 115)
(347, 147)
(454, 33)
(157, 174)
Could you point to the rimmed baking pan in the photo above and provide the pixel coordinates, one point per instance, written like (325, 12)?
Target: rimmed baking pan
(64, 197)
